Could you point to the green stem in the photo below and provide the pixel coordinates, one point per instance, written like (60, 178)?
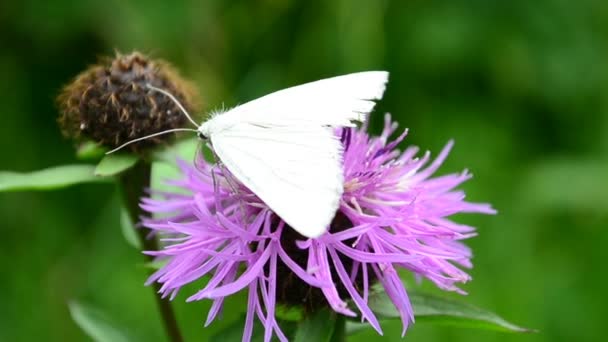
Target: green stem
(132, 184)
(339, 334)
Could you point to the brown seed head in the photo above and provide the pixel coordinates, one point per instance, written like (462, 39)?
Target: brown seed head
(110, 103)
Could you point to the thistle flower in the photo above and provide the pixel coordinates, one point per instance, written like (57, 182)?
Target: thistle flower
(392, 216)
(110, 103)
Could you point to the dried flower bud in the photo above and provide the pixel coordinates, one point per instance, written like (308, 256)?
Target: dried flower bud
(110, 103)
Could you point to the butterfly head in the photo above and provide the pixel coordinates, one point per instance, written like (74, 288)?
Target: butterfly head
(202, 132)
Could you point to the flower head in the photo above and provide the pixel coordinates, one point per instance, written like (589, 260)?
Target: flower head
(110, 103)
(393, 215)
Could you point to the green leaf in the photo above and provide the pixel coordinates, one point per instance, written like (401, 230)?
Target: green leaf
(96, 324)
(156, 264)
(289, 313)
(429, 308)
(339, 334)
(164, 166)
(319, 327)
(113, 164)
(48, 179)
(234, 331)
(89, 150)
(353, 327)
(184, 149)
(128, 229)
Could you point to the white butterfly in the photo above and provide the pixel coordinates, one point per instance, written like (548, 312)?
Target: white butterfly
(284, 149)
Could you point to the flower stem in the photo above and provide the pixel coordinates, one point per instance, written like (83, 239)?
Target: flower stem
(339, 334)
(133, 182)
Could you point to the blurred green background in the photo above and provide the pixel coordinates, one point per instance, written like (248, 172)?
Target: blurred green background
(522, 87)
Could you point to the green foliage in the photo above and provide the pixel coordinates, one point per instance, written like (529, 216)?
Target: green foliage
(48, 179)
(289, 313)
(184, 149)
(128, 229)
(584, 181)
(320, 327)
(434, 309)
(234, 331)
(522, 87)
(96, 324)
(90, 150)
(164, 167)
(113, 164)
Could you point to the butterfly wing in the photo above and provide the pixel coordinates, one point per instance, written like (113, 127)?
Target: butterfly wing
(283, 148)
(296, 171)
(336, 101)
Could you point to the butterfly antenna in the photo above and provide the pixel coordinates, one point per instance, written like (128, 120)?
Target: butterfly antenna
(169, 95)
(151, 136)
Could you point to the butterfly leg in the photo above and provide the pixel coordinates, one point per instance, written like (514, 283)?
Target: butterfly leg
(216, 189)
(199, 159)
(229, 180)
(233, 186)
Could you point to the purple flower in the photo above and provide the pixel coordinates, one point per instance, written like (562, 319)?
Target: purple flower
(392, 215)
